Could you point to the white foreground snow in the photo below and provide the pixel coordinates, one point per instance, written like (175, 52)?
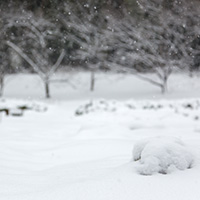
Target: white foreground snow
(162, 155)
(57, 155)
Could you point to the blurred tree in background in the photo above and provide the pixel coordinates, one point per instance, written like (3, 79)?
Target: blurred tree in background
(141, 36)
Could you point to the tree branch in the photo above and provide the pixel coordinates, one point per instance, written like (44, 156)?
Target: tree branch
(28, 60)
(58, 62)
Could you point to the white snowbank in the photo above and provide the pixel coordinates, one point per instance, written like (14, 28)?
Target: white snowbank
(161, 155)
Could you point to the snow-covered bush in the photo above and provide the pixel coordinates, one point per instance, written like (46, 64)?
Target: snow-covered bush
(92, 106)
(187, 108)
(161, 155)
(17, 108)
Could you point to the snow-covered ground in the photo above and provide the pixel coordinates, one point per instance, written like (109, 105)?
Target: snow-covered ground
(53, 153)
(121, 87)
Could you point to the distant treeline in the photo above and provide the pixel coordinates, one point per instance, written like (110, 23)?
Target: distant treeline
(126, 36)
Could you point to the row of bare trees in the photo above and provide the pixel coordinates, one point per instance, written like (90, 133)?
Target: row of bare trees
(159, 39)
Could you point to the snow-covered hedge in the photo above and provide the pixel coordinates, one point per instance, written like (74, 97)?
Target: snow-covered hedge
(93, 106)
(161, 155)
(17, 107)
(188, 107)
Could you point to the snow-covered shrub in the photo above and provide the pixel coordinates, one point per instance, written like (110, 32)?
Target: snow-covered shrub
(187, 108)
(101, 105)
(161, 155)
(17, 107)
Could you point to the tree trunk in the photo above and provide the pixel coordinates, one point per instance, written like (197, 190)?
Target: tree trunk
(92, 81)
(164, 86)
(47, 90)
(1, 86)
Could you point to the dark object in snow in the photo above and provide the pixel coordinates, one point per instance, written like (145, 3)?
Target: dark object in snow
(24, 107)
(188, 106)
(130, 106)
(5, 110)
(84, 109)
(196, 118)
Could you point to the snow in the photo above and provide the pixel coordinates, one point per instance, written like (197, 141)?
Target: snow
(161, 155)
(51, 153)
(109, 86)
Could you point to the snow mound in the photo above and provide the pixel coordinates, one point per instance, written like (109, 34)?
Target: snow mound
(161, 155)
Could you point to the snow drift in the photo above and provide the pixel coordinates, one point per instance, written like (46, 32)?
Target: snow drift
(161, 155)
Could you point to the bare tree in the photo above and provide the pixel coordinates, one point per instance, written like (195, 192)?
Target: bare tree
(5, 67)
(89, 32)
(35, 46)
(175, 26)
(4, 70)
(2, 76)
(156, 44)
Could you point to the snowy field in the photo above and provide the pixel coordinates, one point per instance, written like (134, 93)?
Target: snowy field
(120, 87)
(79, 147)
